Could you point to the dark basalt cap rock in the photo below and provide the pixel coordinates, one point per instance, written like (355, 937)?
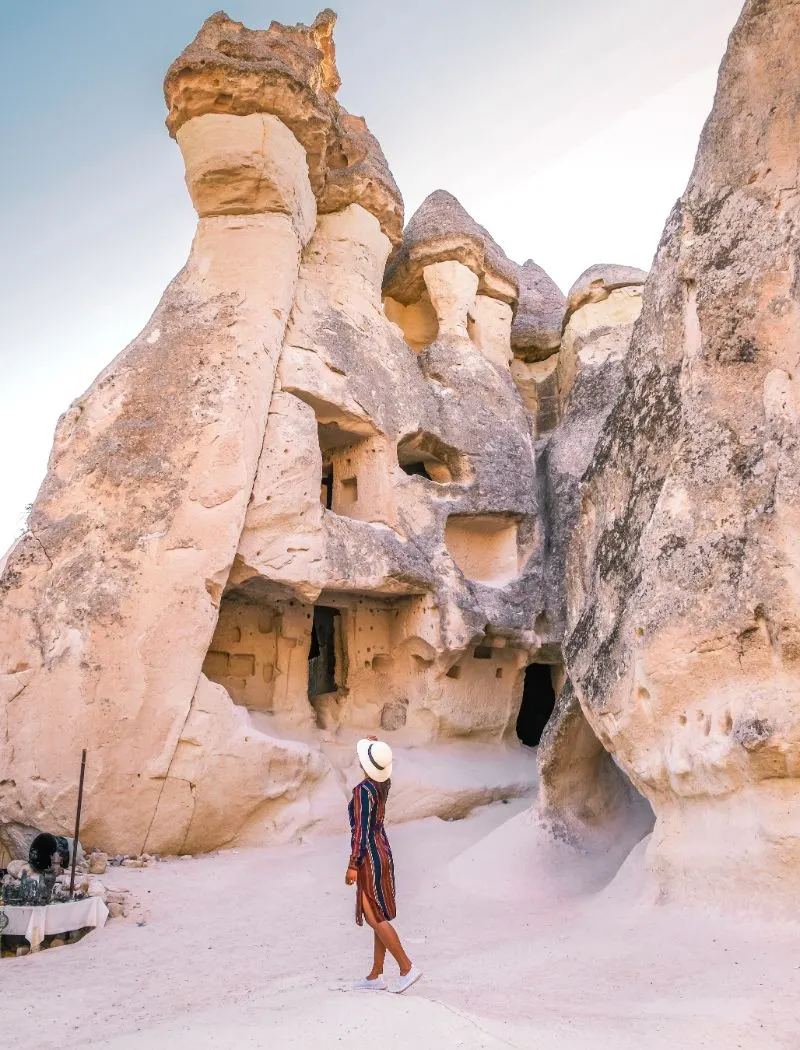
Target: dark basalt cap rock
(536, 331)
(359, 174)
(441, 230)
(290, 72)
(598, 282)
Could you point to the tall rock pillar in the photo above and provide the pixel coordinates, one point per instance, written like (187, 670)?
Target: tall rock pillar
(684, 583)
(110, 600)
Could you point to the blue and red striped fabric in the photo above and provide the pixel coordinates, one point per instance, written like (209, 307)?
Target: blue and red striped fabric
(370, 852)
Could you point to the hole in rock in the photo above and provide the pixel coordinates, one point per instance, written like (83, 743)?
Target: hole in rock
(416, 470)
(582, 787)
(482, 652)
(323, 652)
(418, 320)
(244, 651)
(454, 672)
(356, 479)
(329, 662)
(424, 455)
(326, 486)
(339, 481)
(483, 546)
(538, 701)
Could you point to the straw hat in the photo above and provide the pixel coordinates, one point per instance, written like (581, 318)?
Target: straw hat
(376, 759)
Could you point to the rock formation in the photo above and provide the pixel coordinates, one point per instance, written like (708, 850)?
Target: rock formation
(293, 510)
(357, 478)
(684, 594)
(539, 320)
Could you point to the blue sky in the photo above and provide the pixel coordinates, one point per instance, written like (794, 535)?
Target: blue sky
(567, 129)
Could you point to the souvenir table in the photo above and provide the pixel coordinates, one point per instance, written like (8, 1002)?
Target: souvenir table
(34, 924)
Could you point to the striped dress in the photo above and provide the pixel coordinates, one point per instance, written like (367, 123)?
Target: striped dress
(370, 852)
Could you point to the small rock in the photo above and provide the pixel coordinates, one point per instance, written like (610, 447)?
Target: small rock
(23, 950)
(18, 868)
(132, 862)
(98, 863)
(186, 856)
(97, 889)
(57, 942)
(115, 909)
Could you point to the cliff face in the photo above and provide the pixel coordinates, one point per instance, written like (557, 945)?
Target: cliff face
(683, 590)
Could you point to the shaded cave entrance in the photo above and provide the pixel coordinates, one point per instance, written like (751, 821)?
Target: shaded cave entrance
(538, 702)
(426, 456)
(324, 653)
(343, 457)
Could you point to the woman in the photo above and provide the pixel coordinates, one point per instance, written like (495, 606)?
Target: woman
(371, 867)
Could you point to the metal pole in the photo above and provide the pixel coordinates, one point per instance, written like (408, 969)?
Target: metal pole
(77, 826)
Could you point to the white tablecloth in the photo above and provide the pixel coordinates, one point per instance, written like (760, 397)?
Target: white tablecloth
(36, 923)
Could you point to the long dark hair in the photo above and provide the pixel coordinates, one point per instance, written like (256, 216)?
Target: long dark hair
(383, 788)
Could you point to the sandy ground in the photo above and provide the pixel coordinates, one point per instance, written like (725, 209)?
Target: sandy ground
(253, 949)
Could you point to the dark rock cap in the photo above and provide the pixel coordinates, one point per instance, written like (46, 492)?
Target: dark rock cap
(290, 72)
(358, 173)
(441, 230)
(536, 331)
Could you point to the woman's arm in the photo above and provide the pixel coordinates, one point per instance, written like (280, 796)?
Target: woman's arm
(362, 818)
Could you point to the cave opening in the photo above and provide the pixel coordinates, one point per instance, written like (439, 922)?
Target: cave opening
(323, 664)
(538, 701)
(416, 470)
(425, 455)
(326, 485)
(339, 479)
(243, 656)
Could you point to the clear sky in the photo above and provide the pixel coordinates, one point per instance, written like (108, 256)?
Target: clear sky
(568, 129)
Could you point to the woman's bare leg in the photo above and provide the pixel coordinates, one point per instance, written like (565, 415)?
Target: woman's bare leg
(387, 935)
(378, 960)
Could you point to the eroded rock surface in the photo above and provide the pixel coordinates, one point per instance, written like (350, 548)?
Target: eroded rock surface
(683, 639)
(279, 519)
(589, 381)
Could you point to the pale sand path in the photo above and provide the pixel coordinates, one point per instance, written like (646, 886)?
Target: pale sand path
(249, 949)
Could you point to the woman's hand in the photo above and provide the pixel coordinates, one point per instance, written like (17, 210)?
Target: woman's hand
(351, 876)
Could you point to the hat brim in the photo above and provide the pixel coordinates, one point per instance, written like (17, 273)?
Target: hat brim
(372, 771)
